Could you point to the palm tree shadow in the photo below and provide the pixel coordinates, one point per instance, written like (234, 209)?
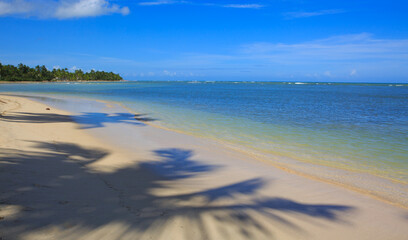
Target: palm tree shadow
(99, 120)
(86, 120)
(65, 193)
(175, 163)
(26, 117)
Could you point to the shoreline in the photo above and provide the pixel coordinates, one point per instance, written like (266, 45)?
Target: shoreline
(167, 181)
(380, 188)
(319, 172)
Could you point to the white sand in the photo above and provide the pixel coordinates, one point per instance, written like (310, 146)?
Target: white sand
(58, 181)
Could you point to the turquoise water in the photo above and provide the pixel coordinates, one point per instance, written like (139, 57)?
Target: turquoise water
(360, 127)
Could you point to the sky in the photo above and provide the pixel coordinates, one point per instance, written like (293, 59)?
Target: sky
(241, 40)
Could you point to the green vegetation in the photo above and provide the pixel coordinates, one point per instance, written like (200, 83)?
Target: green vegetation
(41, 73)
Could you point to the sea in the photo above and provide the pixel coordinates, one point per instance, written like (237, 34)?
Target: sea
(358, 127)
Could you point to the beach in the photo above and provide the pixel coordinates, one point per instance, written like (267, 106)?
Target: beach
(61, 178)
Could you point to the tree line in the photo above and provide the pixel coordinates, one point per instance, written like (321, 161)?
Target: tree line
(41, 73)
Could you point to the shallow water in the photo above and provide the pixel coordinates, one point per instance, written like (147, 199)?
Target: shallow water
(359, 127)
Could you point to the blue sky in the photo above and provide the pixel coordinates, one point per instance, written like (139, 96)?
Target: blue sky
(275, 40)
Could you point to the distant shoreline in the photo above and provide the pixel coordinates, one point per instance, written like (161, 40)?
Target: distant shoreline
(22, 73)
(63, 81)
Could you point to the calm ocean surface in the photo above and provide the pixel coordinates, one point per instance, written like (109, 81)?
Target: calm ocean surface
(360, 127)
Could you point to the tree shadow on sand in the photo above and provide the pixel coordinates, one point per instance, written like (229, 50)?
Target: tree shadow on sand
(98, 120)
(139, 201)
(86, 120)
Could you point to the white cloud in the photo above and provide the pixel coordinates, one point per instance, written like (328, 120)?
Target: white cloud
(168, 73)
(313, 14)
(14, 7)
(88, 8)
(61, 9)
(355, 47)
(168, 2)
(155, 3)
(253, 6)
(163, 74)
(333, 58)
